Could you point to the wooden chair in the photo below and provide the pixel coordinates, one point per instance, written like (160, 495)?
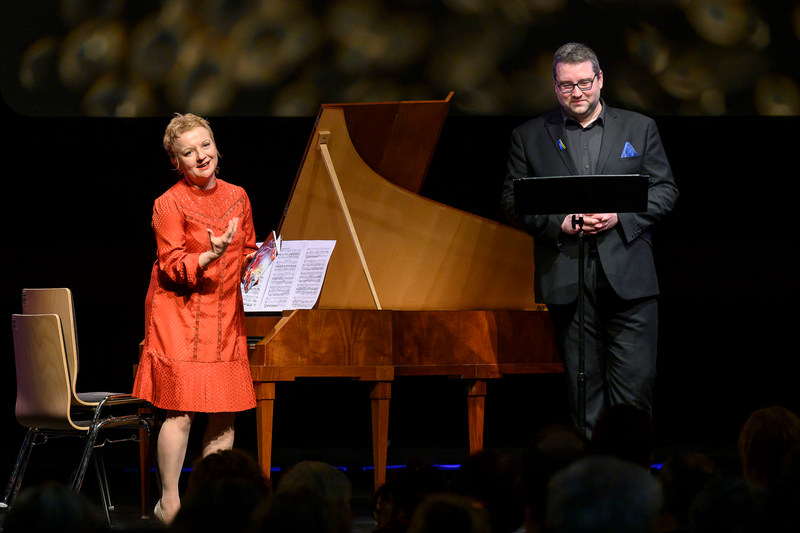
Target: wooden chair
(45, 396)
(59, 300)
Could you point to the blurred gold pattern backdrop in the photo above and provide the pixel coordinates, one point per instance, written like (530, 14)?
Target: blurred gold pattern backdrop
(132, 58)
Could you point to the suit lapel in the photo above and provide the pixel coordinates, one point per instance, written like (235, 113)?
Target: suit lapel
(611, 131)
(555, 127)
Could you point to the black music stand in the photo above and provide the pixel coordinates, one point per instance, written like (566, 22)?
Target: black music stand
(564, 195)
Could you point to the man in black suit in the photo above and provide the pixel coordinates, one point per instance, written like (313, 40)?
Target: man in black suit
(586, 136)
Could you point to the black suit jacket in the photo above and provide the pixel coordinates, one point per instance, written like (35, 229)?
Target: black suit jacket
(625, 250)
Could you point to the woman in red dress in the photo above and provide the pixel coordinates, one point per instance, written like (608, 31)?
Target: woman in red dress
(195, 348)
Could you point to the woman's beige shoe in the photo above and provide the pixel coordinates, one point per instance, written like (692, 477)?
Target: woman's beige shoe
(158, 511)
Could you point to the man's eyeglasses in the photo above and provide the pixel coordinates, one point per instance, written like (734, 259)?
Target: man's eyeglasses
(583, 85)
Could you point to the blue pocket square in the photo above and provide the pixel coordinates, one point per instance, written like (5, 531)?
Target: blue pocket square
(628, 151)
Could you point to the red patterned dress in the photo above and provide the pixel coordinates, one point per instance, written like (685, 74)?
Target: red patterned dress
(195, 346)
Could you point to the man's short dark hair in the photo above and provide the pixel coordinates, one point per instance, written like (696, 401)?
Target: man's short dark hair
(574, 53)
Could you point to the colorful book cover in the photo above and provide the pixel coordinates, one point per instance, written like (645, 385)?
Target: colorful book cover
(264, 257)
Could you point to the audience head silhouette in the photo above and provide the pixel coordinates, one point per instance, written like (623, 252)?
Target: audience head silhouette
(599, 494)
(491, 478)
(232, 464)
(328, 482)
(224, 490)
(311, 496)
(766, 439)
(451, 513)
(299, 510)
(394, 503)
(552, 449)
(783, 498)
(726, 504)
(682, 477)
(52, 508)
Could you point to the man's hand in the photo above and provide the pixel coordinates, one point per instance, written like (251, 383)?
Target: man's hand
(593, 223)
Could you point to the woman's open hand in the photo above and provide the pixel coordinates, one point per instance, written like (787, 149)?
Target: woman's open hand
(218, 243)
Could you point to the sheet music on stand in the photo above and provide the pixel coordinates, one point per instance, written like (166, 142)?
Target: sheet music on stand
(293, 280)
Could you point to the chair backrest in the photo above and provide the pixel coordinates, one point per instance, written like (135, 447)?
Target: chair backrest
(58, 301)
(44, 393)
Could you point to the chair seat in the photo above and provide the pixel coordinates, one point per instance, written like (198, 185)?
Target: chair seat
(96, 397)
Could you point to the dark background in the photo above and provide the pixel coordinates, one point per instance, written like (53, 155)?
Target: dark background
(78, 194)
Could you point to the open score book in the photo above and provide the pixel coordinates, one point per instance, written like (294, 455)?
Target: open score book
(286, 275)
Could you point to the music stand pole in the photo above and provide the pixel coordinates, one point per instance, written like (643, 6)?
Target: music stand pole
(577, 221)
(601, 193)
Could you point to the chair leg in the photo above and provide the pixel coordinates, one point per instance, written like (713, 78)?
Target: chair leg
(154, 456)
(89, 453)
(80, 473)
(152, 452)
(102, 481)
(15, 481)
(146, 456)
